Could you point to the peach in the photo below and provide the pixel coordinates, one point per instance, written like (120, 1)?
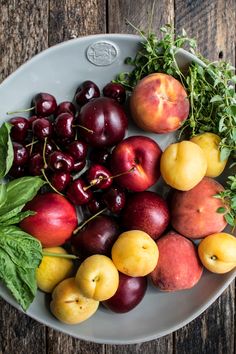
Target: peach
(135, 253)
(194, 213)
(52, 270)
(68, 305)
(183, 165)
(218, 252)
(178, 267)
(97, 277)
(210, 144)
(159, 103)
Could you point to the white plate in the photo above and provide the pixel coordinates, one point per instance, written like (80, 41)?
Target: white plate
(59, 70)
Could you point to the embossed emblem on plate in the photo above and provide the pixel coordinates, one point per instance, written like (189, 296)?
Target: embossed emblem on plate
(102, 53)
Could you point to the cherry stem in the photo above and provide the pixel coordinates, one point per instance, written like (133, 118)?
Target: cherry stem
(21, 110)
(59, 255)
(32, 143)
(101, 178)
(44, 153)
(81, 126)
(47, 180)
(88, 220)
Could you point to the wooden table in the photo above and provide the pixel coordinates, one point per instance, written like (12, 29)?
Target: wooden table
(29, 26)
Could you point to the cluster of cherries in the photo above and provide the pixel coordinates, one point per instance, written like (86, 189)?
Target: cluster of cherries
(49, 144)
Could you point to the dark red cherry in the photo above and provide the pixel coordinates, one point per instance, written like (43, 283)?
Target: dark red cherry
(65, 107)
(85, 92)
(20, 154)
(78, 149)
(19, 128)
(99, 176)
(96, 204)
(115, 91)
(60, 161)
(42, 128)
(79, 165)
(77, 194)
(36, 164)
(41, 147)
(45, 104)
(63, 126)
(114, 198)
(31, 120)
(100, 156)
(60, 180)
(16, 171)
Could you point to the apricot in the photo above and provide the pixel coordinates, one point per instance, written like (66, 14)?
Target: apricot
(69, 305)
(52, 270)
(159, 103)
(135, 253)
(97, 277)
(178, 267)
(218, 252)
(210, 144)
(194, 212)
(183, 165)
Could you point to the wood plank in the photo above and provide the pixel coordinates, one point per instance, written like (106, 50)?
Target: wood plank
(72, 18)
(18, 332)
(23, 32)
(138, 12)
(213, 331)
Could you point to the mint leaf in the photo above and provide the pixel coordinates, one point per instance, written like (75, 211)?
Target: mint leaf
(17, 218)
(20, 191)
(6, 149)
(3, 194)
(20, 255)
(11, 213)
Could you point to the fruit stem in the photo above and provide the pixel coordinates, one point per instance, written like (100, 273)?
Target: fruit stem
(47, 180)
(81, 126)
(101, 178)
(44, 153)
(88, 220)
(21, 110)
(32, 143)
(60, 255)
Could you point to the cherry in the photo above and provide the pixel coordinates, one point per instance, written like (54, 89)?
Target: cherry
(17, 171)
(60, 161)
(79, 165)
(45, 104)
(65, 107)
(78, 149)
(85, 92)
(31, 120)
(19, 128)
(20, 154)
(63, 126)
(96, 204)
(36, 164)
(99, 176)
(114, 198)
(46, 148)
(77, 194)
(42, 128)
(115, 91)
(100, 156)
(60, 180)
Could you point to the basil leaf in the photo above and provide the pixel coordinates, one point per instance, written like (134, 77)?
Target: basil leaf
(6, 149)
(20, 255)
(17, 218)
(11, 213)
(20, 191)
(3, 194)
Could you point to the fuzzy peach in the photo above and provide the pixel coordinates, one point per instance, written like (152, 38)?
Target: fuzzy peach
(194, 213)
(159, 103)
(178, 267)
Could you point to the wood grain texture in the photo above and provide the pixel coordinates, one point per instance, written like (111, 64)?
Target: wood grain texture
(26, 28)
(139, 13)
(23, 32)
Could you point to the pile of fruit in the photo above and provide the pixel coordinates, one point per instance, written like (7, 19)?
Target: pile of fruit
(100, 231)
